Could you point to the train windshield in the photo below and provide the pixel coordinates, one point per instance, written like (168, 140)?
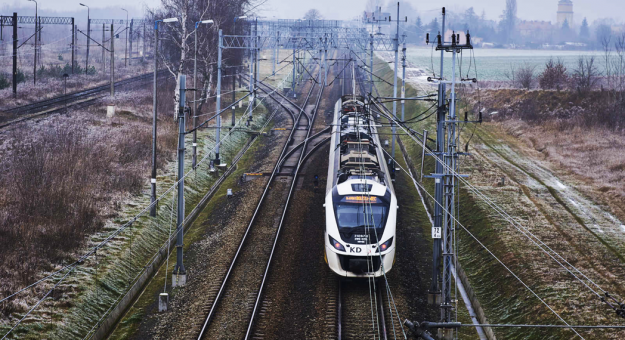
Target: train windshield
(350, 215)
(358, 212)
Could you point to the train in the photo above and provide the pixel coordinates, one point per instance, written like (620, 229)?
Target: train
(360, 202)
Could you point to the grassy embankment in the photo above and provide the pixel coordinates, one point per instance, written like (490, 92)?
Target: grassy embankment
(504, 299)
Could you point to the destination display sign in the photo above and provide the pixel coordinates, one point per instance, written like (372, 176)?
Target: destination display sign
(361, 199)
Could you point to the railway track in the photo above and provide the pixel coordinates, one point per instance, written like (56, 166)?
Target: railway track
(233, 306)
(75, 99)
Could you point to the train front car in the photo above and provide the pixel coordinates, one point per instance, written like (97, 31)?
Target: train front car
(360, 203)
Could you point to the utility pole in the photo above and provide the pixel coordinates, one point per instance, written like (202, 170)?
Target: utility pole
(434, 294)
(394, 127)
(276, 54)
(234, 97)
(293, 75)
(179, 276)
(103, 38)
(154, 117)
(88, 37)
(73, 43)
(126, 42)
(14, 54)
(325, 61)
(197, 24)
(130, 43)
(256, 59)
(445, 182)
(217, 161)
(371, 63)
(154, 123)
(403, 78)
(143, 55)
(35, 54)
(112, 62)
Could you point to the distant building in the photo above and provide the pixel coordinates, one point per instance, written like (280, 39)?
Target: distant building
(565, 12)
(532, 27)
(535, 31)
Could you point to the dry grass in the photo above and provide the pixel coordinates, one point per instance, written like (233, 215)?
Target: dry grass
(49, 87)
(594, 156)
(579, 135)
(64, 176)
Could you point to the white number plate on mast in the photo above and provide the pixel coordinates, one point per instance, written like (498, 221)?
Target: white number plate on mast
(436, 232)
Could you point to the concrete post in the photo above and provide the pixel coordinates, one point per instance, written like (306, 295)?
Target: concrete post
(73, 43)
(154, 121)
(88, 42)
(130, 42)
(179, 275)
(103, 38)
(14, 54)
(194, 163)
(112, 62)
(394, 126)
(218, 105)
(403, 79)
(234, 97)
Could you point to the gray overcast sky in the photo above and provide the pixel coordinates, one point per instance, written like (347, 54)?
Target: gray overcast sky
(348, 9)
(527, 9)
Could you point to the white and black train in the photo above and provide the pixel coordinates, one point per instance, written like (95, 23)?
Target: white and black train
(360, 203)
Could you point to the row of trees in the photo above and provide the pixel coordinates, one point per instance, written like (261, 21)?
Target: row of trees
(589, 72)
(583, 78)
(507, 30)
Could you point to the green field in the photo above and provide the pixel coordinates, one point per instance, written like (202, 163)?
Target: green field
(493, 63)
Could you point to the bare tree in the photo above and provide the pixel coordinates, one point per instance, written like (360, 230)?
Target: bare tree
(177, 39)
(585, 75)
(313, 14)
(521, 76)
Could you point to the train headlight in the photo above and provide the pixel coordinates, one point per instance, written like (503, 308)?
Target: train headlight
(384, 246)
(336, 244)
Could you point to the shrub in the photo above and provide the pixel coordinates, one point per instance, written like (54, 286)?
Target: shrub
(60, 57)
(522, 76)
(4, 81)
(554, 76)
(585, 75)
(21, 77)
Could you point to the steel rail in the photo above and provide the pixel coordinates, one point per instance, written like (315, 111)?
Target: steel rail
(64, 99)
(296, 122)
(284, 211)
